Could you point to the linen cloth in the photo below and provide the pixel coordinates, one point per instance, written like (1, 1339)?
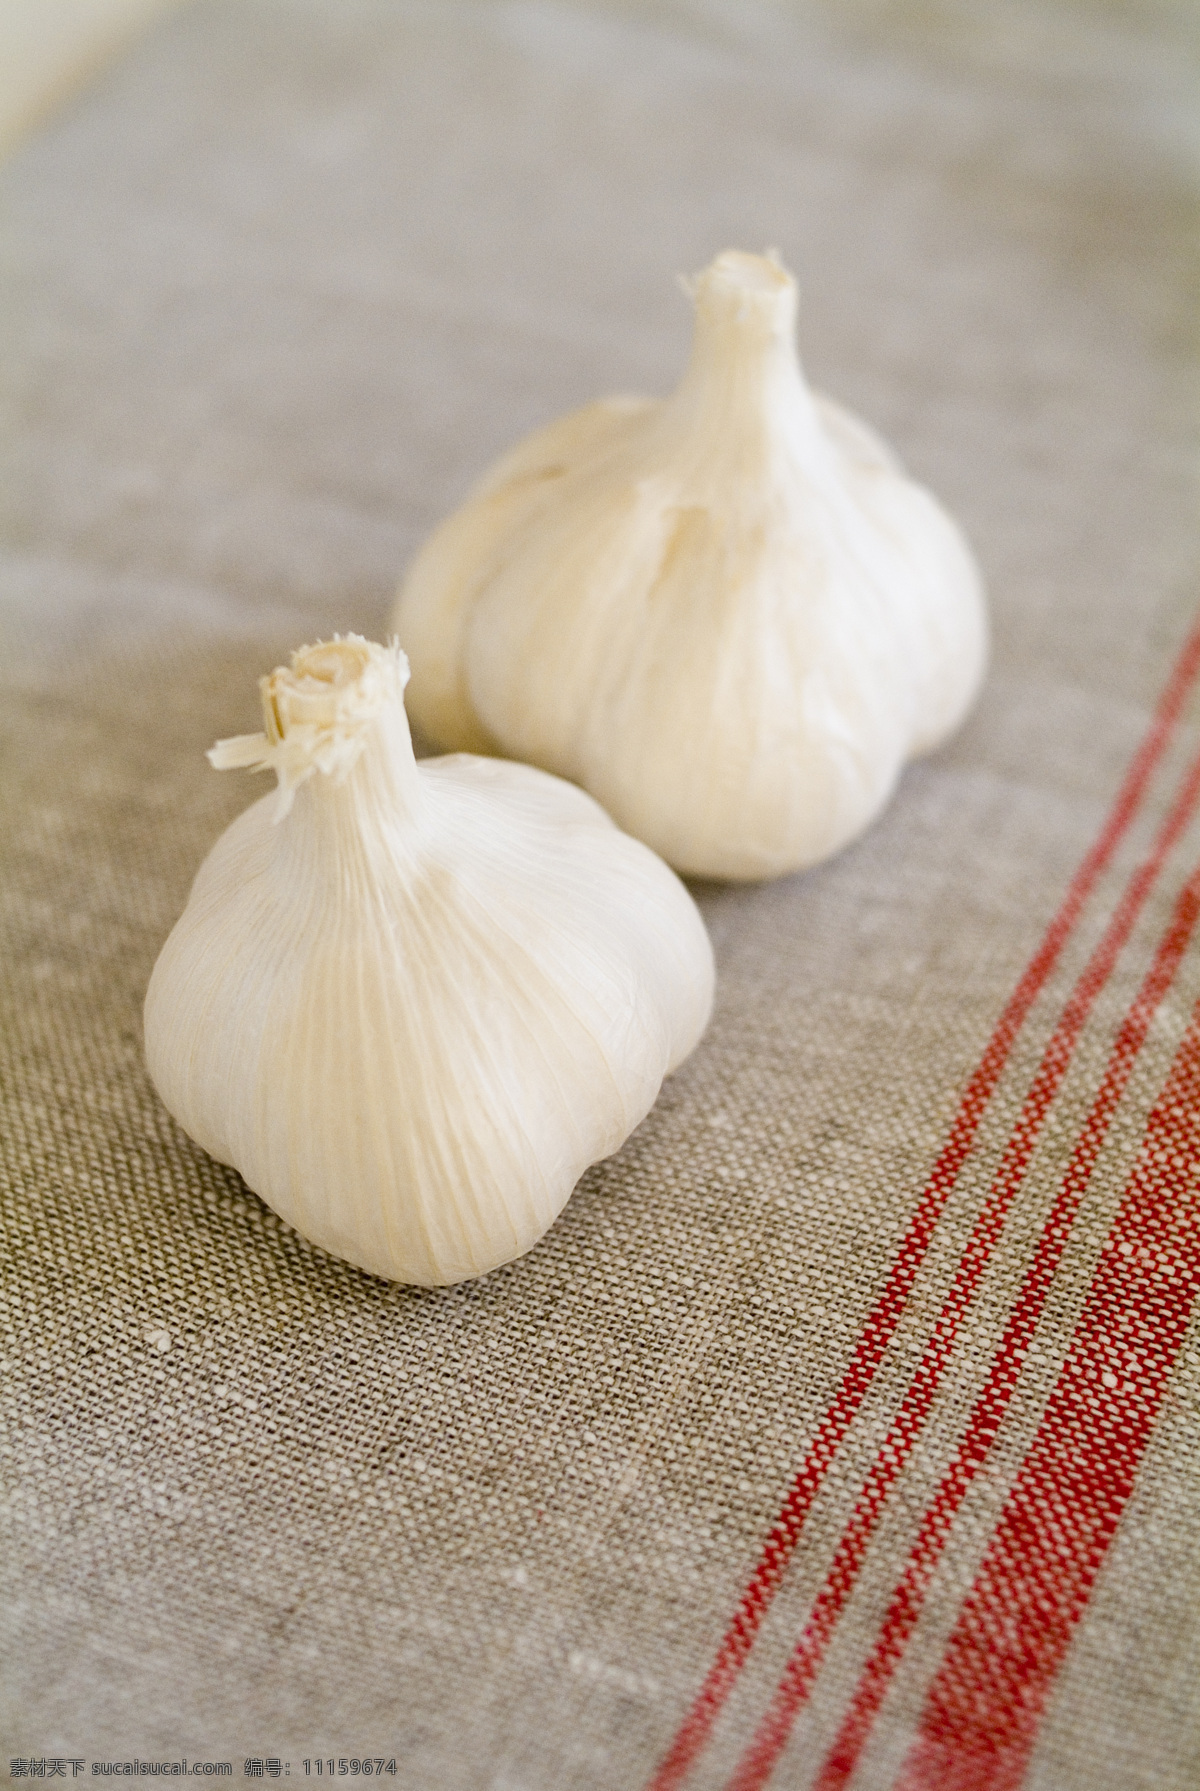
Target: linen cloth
(278, 289)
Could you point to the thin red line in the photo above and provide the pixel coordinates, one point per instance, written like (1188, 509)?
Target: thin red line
(693, 1733)
(770, 1738)
(993, 1402)
(983, 1710)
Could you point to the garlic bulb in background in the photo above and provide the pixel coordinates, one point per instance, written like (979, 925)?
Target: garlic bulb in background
(729, 615)
(410, 1003)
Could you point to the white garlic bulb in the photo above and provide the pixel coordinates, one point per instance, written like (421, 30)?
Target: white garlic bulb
(729, 615)
(411, 1003)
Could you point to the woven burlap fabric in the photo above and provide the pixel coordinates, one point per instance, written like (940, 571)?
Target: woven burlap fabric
(278, 288)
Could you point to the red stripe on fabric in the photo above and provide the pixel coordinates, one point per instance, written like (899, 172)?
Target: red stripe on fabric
(770, 1738)
(693, 1734)
(993, 1402)
(984, 1708)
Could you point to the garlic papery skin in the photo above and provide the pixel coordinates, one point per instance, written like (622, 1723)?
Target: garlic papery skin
(411, 1003)
(729, 614)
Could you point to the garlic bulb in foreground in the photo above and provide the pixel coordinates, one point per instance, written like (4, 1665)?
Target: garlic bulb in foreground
(411, 1003)
(729, 615)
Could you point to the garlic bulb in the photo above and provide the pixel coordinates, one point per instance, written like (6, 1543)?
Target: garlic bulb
(411, 1003)
(729, 615)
